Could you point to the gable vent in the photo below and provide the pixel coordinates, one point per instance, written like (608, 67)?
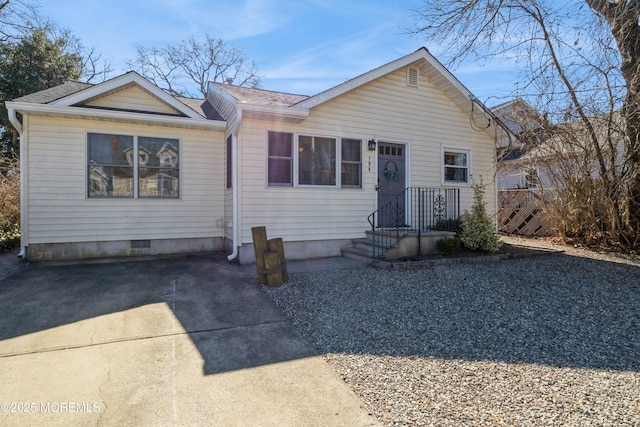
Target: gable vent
(412, 77)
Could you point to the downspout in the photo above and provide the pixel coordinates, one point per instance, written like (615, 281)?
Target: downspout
(234, 188)
(13, 118)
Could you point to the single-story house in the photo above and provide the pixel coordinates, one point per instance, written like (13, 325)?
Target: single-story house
(311, 169)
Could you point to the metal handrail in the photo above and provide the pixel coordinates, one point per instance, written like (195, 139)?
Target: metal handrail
(415, 210)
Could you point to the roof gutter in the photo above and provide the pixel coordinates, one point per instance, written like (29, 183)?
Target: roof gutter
(24, 175)
(13, 118)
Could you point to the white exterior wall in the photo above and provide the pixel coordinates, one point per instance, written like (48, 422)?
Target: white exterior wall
(61, 212)
(513, 176)
(423, 118)
(133, 98)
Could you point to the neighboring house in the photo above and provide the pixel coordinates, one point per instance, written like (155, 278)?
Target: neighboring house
(518, 158)
(312, 169)
(544, 156)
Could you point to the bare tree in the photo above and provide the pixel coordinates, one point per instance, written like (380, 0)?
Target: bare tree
(580, 65)
(94, 67)
(192, 64)
(16, 18)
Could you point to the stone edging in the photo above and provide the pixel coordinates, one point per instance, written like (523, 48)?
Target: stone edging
(399, 265)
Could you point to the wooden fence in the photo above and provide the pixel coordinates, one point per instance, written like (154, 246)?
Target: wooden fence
(522, 212)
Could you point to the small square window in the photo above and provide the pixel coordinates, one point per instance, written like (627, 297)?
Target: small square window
(456, 166)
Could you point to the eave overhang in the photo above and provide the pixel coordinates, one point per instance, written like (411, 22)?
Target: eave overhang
(264, 112)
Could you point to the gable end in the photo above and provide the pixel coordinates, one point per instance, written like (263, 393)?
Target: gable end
(132, 98)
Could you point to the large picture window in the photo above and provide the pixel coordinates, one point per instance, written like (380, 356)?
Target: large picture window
(114, 170)
(310, 160)
(456, 166)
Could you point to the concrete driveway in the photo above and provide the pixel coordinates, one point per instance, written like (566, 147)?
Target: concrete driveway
(178, 341)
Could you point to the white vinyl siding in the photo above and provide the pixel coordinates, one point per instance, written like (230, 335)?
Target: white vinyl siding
(133, 98)
(386, 109)
(59, 210)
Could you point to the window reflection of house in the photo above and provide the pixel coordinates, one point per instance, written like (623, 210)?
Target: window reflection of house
(98, 180)
(143, 156)
(168, 155)
(167, 185)
(167, 180)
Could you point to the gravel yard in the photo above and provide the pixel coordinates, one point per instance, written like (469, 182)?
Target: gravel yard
(552, 340)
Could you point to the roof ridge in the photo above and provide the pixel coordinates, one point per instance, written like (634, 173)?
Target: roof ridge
(220, 84)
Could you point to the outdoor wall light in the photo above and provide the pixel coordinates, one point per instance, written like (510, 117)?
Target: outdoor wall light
(372, 145)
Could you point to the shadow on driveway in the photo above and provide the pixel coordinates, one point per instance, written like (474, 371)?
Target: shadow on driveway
(205, 294)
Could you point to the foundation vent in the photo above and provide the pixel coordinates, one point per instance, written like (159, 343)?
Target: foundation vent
(140, 244)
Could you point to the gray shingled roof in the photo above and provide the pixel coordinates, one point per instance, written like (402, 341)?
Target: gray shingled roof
(261, 97)
(52, 94)
(198, 105)
(49, 95)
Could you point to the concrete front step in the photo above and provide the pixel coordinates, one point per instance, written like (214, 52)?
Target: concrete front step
(358, 254)
(398, 248)
(362, 249)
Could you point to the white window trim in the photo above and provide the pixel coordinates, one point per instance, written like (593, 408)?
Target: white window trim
(135, 167)
(456, 149)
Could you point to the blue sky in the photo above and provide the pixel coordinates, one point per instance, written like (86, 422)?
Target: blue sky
(299, 46)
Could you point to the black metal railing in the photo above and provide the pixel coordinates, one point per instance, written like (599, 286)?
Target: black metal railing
(416, 210)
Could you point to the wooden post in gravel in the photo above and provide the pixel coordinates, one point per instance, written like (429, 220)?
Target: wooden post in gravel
(271, 264)
(260, 247)
(273, 268)
(277, 245)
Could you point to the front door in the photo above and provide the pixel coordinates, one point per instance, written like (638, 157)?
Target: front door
(391, 183)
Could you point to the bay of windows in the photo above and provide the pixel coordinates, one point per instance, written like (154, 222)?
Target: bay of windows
(310, 160)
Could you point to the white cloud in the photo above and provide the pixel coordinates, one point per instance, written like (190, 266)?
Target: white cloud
(231, 20)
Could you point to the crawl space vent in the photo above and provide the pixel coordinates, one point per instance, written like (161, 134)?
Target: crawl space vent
(140, 244)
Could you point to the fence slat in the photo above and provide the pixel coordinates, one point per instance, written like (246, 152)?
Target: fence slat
(522, 212)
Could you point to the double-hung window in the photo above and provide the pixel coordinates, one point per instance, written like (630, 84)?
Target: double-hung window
(308, 160)
(115, 171)
(280, 158)
(351, 168)
(456, 165)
